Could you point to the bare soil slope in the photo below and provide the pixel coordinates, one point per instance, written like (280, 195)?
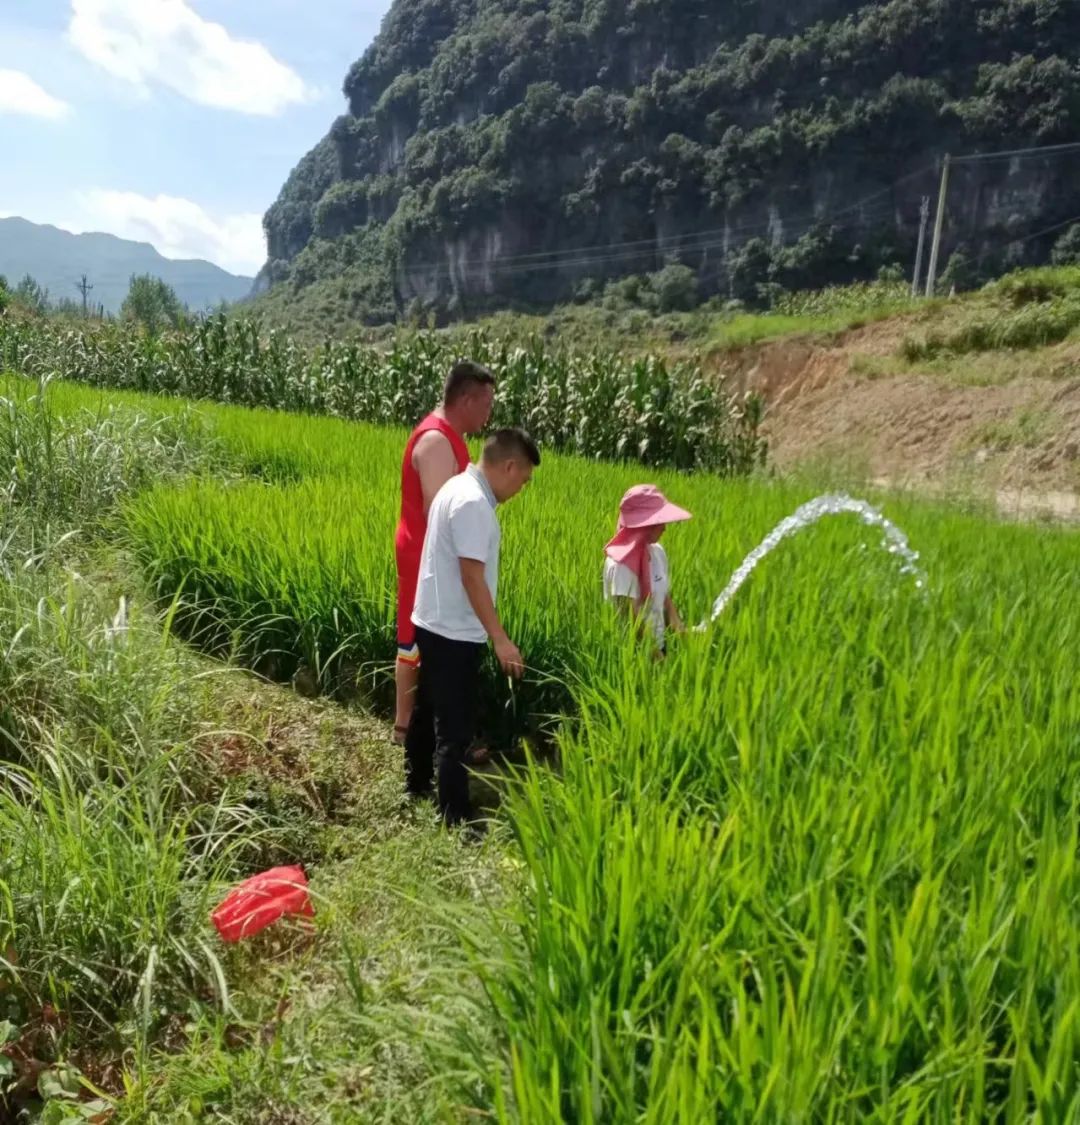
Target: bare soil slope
(1004, 424)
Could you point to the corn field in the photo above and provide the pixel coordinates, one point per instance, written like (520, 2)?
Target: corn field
(598, 405)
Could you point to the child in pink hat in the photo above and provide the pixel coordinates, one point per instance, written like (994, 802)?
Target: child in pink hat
(636, 573)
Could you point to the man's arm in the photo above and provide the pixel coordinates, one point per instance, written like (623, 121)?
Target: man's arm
(434, 461)
(476, 588)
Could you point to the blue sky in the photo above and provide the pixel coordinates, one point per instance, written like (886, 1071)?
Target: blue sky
(173, 122)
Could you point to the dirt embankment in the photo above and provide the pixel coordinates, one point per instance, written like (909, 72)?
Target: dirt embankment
(1005, 425)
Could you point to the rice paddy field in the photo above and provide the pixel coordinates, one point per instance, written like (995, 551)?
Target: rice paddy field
(820, 864)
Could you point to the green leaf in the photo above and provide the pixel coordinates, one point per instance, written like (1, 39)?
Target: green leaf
(59, 1082)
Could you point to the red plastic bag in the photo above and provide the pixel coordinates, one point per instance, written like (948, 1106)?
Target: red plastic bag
(262, 899)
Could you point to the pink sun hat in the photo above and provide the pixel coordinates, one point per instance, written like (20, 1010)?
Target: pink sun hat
(645, 505)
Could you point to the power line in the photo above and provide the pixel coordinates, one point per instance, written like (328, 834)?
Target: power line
(722, 270)
(702, 241)
(972, 158)
(607, 253)
(571, 255)
(676, 242)
(793, 230)
(884, 191)
(1046, 231)
(503, 268)
(1010, 154)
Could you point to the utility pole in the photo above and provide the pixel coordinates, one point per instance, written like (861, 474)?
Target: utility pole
(924, 218)
(84, 287)
(939, 222)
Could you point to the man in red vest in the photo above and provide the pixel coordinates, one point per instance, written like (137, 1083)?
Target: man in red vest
(435, 452)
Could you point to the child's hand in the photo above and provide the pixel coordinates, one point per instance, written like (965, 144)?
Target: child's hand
(671, 615)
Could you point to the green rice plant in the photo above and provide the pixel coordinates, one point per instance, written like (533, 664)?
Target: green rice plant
(196, 438)
(278, 575)
(303, 574)
(818, 866)
(800, 870)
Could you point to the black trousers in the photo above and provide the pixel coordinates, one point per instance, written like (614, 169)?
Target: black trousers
(443, 721)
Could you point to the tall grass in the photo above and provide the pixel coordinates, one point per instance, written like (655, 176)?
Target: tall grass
(113, 836)
(1025, 310)
(69, 468)
(106, 861)
(818, 312)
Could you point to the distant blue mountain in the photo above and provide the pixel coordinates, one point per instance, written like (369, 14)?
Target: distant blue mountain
(56, 259)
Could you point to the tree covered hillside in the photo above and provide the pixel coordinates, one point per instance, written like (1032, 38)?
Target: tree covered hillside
(507, 151)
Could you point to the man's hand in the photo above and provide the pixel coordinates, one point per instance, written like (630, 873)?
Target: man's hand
(506, 652)
(476, 589)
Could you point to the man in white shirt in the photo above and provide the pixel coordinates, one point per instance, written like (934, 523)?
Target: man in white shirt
(455, 616)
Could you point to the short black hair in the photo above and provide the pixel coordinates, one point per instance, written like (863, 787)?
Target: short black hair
(466, 375)
(511, 444)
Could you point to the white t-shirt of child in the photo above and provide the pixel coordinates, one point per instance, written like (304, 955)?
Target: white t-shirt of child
(621, 582)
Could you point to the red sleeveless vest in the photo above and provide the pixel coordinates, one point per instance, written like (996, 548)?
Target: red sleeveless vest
(413, 523)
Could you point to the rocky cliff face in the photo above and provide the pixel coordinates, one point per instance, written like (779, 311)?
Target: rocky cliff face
(508, 150)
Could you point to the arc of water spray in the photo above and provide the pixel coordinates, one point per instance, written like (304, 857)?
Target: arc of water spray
(833, 504)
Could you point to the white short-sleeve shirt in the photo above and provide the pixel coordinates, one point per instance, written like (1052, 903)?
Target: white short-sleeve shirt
(461, 525)
(621, 582)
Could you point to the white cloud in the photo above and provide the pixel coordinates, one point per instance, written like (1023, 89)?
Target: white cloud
(177, 228)
(19, 93)
(164, 41)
